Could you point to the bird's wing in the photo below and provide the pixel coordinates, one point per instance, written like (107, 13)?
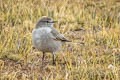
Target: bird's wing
(58, 36)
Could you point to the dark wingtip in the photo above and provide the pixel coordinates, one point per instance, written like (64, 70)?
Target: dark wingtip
(66, 41)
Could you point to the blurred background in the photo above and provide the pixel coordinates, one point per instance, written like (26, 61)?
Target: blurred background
(96, 23)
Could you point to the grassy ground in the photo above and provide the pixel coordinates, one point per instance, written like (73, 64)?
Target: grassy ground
(95, 23)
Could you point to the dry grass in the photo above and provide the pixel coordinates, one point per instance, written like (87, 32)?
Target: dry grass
(96, 23)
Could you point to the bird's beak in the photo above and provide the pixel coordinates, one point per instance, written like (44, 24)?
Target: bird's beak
(53, 22)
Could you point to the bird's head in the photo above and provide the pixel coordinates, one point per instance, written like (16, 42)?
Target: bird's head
(45, 22)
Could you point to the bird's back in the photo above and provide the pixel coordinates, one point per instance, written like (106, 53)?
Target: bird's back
(44, 41)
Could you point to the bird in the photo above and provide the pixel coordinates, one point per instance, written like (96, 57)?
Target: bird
(46, 38)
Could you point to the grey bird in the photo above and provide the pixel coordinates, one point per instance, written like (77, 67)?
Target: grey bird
(46, 38)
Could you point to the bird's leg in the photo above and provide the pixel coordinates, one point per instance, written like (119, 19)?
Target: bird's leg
(54, 56)
(43, 57)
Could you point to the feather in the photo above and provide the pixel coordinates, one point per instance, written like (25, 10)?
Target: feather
(58, 36)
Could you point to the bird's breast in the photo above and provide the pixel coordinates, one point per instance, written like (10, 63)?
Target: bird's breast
(43, 40)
